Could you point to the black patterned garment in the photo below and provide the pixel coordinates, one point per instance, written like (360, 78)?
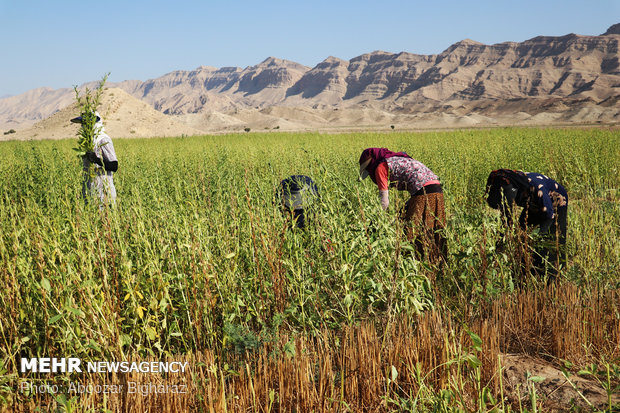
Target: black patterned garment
(541, 198)
(545, 205)
(546, 194)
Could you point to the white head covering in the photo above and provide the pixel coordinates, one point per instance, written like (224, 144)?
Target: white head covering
(99, 130)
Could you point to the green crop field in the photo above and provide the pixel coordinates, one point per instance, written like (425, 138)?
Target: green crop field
(196, 258)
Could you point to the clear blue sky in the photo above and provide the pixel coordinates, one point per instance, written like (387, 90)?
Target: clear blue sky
(64, 43)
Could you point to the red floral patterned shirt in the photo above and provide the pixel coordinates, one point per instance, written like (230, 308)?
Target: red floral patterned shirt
(405, 174)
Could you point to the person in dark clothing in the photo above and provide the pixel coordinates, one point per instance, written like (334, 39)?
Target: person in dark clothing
(296, 193)
(545, 205)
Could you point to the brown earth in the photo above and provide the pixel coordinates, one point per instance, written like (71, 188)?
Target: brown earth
(126, 116)
(556, 390)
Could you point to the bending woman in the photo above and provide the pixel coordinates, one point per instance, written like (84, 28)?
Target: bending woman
(297, 193)
(545, 205)
(424, 212)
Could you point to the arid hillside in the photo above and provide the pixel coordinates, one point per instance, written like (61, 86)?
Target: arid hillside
(572, 79)
(123, 116)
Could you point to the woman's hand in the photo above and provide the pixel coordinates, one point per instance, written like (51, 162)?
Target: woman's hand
(385, 199)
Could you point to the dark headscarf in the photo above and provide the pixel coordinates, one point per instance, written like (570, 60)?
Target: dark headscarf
(377, 156)
(502, 178)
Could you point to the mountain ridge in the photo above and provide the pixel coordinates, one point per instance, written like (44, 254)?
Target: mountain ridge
(573, 67)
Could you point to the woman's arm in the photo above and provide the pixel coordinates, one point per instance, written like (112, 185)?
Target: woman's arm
(381, 178)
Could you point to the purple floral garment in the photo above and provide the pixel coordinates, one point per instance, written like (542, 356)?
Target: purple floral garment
(408, 174)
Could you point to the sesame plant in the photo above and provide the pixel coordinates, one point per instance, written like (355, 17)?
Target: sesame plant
(199, 263)
(88, 102)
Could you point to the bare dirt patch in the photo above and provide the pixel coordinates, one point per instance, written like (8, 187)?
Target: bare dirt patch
(557, 392)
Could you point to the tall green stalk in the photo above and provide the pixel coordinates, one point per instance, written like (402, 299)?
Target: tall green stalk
(88, 104)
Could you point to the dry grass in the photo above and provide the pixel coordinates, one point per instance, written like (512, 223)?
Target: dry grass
(558, 323)
(353, 370)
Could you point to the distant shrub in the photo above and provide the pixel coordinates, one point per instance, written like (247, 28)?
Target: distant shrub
(9, 131)
(247, 129)
(392, 126)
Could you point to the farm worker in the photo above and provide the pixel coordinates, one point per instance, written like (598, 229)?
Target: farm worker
(297, 193)
(424, 212)
(98, 180)
(545, 205)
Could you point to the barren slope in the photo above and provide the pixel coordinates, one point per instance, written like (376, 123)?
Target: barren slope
(123, 116)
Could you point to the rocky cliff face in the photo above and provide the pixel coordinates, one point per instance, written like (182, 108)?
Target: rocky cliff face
(183, 92)
(614, 29)
(326, 82)
(570, 67)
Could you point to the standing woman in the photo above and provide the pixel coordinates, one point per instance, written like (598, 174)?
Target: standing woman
(545, 205)
(424, 212)
(98, 181)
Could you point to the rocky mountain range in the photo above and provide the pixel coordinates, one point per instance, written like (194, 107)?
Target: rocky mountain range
(543, 74)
